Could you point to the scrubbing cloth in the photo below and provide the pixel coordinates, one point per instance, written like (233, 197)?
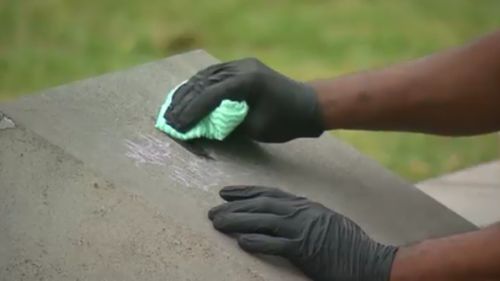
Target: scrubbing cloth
(216, 125)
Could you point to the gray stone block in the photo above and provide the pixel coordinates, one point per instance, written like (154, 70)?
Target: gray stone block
(90, 190)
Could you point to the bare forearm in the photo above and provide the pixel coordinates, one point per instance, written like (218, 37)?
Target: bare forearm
(472, 256)
(456, 92)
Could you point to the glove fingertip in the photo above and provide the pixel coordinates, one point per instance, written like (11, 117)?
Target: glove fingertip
(185, 122)
(232, 192)
(247, 243)
(218, 223)
(263, 244)
(211, 214)
(177, 121)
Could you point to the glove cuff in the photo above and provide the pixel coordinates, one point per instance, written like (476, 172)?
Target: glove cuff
(313, 125)
(382, 264)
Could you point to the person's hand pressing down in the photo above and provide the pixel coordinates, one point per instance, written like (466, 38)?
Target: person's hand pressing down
(281, 109)
(325, 245)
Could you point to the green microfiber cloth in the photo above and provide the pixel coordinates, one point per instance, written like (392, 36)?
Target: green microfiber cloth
(216, 125)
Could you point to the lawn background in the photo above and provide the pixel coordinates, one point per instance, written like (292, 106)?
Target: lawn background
(50, 42)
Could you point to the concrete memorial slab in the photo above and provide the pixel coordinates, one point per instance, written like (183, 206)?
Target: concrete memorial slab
(90, 190)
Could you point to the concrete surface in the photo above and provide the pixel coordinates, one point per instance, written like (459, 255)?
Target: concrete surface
(5, 122)
(91, 191)
(474, 193)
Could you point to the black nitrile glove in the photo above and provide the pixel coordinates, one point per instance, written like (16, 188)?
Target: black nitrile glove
(281, 109)
(326, 245)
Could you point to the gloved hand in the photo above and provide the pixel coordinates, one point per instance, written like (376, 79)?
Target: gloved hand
(325, 245)
(281, 109)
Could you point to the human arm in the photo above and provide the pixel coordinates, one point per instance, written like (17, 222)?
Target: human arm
(454, 92)
(326, 245)
(469, 256)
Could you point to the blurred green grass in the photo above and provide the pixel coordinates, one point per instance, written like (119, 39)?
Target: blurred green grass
(45, 43)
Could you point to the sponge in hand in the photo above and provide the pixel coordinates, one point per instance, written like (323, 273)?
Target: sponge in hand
(217, 125)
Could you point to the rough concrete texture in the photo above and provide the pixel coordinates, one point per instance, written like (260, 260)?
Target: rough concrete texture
(91, 191)
(5, 122)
